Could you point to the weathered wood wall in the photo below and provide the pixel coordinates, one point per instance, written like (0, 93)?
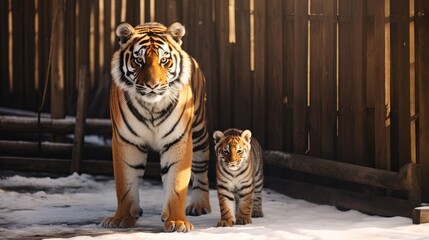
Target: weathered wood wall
(344, 80)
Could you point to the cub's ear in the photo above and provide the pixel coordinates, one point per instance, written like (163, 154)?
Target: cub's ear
(124, 31)
(177, 31)
(217, 135)
(246, 134)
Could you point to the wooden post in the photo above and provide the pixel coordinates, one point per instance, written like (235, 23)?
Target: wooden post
(421, 215)
(422, 74)
(409, 176)
(79, 132)
(57, 63)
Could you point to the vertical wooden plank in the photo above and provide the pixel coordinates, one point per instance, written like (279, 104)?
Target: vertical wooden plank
(322, 112)
(129, 12)
(288, 66)
(4, 54)
(57, 63)
(274, 138)
(351, 131)
(79, 131)
(376, 141)
(108, 48)
(18, 53)
(45, 22)
(171, 8)
(160, 11)
(259, 80)
(95, 46)
(83, 35)
(118, 10)
(242, 102)
(299, 99)
(70, 53)
(29, 97)
(223, 107)
(400, 83)
(422, 74)
(166, 11)
(147, 10)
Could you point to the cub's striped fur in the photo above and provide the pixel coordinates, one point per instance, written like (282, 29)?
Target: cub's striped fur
(157, 102)
(239, 175)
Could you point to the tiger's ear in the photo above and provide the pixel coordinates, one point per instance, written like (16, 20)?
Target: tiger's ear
(246, 134)
(124, 31)
(217, 135)
(177, 31)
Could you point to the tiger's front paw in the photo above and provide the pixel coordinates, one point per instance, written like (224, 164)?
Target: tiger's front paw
(119, 222)
(257, 214)
(226, 222)
(243, 221)
(178, 226)
(197, 209)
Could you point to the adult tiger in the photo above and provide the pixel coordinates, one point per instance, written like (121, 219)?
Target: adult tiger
(157, 102)
(239, 176)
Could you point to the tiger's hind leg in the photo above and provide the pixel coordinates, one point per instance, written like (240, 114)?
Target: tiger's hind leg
(200, 203)
(129, 163)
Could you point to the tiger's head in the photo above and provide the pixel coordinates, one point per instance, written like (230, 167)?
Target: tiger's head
(232, 147)
(150, 63)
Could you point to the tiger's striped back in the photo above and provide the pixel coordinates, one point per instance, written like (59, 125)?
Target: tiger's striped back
(239, 175)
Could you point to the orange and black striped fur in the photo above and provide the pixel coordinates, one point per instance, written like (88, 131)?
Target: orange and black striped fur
(157, 103)
(239, 175)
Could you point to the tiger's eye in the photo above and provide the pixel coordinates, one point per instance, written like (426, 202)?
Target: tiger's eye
(139, 60)
(164, 60)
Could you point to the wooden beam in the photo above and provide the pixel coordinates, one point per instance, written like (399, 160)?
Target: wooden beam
(336, 170)
(53, 150)
(379, 205)
(62, 166)
(66, 125)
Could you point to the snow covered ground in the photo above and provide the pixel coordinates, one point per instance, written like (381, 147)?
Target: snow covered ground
(73, 206)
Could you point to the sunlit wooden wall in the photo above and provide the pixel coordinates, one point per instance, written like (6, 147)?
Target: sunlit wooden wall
(339, 79)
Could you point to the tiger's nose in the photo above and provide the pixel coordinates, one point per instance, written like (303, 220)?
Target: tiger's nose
(151, 85)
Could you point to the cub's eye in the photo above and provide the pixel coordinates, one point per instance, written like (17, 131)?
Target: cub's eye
(139, 60)
(225, 151)
(163, 60)
(239, 150)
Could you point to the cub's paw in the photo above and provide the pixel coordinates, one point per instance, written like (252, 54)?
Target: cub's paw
(178, 226)
(257, 214)
(195, 209)
(243, 221)
(226, 223)
(118, 222)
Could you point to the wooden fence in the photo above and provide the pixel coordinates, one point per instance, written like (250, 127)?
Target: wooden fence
(344, 80)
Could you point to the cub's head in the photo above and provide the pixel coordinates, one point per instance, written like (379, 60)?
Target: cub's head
(150, 63)
(232, 147)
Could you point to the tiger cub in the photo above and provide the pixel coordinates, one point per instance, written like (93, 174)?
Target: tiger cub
(239, 176)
